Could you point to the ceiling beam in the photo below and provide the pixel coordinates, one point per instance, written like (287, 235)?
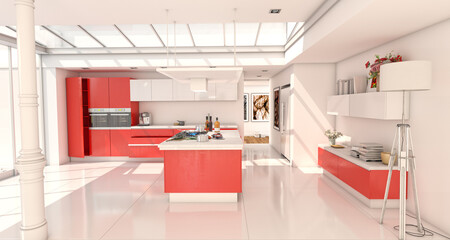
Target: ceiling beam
(190, 34)
(157, 35)
(58, 36)
(12, 42)
(257, 33)
(90, 35)
(292, 32)
(125, 36)
(37, 43)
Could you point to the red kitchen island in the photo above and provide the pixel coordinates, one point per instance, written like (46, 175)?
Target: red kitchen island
(203, 171)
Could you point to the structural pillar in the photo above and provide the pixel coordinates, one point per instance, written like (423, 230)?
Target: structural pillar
(31, 161)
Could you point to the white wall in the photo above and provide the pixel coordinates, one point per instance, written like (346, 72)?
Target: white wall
(250, 127)
(310, 86)
(164, 113)
(55, 113)
(429, 114)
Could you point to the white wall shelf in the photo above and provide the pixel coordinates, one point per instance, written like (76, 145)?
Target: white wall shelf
(375, 105)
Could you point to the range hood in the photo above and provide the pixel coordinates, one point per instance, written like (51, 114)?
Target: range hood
(185, 74)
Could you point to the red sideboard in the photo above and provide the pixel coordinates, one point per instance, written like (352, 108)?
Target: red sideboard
(368, 179)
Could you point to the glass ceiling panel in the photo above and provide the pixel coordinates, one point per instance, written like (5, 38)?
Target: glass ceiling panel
(75, 35)
(207, 34)
(183, 37)
(48, 39)
(141, 35)
(272, 34)
(108, 35)
(8, 32)
(245, 34)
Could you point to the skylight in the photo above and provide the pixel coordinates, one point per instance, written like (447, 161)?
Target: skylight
(108, 35)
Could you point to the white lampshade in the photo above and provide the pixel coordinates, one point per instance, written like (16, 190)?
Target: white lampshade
(408, 76)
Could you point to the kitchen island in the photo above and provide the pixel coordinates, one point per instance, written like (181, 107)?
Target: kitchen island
(203, 171)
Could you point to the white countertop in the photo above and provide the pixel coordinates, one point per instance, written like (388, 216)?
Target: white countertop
(345, 154)
(231, 141)
(168, 126)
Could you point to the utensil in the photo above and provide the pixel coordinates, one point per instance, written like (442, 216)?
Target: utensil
(202, 138)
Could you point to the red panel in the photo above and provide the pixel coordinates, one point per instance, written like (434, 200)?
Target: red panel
(203, 171)
(119, 142)
(330, 162)
(228, 128)
(100, 143)
(354, 176)
(98, 92)
(152, 132)
(119, 93)
(75, 117)
(378, 180)
(134, 113)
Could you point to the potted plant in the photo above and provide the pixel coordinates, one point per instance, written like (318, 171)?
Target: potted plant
(374, 73)
(332, 135)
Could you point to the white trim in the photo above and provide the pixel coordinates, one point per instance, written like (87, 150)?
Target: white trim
(203, 197)
(143, 145)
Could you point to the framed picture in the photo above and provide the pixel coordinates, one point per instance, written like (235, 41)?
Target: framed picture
(276, 108)
(260, 107)
(245, 107)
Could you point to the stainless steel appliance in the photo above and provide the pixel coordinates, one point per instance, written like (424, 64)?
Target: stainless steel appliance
(99, 117)
(285, 129)
(120, 117)
(146, 118)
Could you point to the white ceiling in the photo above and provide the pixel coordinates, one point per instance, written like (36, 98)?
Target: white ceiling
(107, 12)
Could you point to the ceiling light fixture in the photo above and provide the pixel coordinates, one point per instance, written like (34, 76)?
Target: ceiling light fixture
(259, 76)
(133, 68)
(275, 11)
(265, 70)
(85, 68)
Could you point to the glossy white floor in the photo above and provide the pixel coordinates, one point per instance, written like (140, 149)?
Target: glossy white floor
(117, 200)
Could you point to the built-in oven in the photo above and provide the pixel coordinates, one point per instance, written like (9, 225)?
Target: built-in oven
(99, 117)
(119, 117)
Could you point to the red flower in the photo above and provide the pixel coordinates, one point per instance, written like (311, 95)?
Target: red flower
(367, 64)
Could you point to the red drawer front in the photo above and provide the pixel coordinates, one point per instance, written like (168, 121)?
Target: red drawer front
(147, 140)
(145, 152)
(354, 176)
(152, 132)
(329, 162)
(228, 128)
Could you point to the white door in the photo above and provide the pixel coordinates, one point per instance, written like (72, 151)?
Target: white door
(285, 130)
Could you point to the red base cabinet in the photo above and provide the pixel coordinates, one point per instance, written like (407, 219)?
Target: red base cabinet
(144, 142)
(370, 183)
(202, 171)
(100, 142)
(119, 142)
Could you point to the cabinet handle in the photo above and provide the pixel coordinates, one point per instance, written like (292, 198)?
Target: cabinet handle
(119, 114)
(98, 114)
(142, 145)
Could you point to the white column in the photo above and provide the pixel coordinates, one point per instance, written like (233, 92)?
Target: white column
(31, 162)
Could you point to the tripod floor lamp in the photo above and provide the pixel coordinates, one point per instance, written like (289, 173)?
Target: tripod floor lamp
(404, 76)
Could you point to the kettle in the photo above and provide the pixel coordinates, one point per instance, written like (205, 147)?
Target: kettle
(146, 118)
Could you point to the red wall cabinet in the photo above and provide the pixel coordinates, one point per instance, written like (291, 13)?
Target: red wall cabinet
(99, 93)
(119, 142)
(100, 142)
(119, 93)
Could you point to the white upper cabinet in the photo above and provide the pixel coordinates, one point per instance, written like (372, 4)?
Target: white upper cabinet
(226, 91)
(379, 105)
(141, 90)
(182, 91)
(162, 90)
(173, 90)
(210, 95)
(338, 105)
